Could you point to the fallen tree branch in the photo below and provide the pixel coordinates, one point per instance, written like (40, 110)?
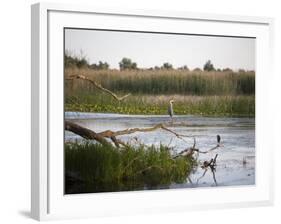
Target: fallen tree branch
(97, 85)
(85, 133)
(209, 150)
(109, 133)
(100, 137)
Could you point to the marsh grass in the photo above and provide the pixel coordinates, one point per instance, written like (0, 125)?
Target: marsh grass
(169, 81)
(199, 93)
(104, 169)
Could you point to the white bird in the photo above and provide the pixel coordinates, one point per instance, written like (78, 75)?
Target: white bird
(171, 110)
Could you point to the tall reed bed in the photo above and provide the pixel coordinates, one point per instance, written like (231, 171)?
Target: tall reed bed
(169, 81)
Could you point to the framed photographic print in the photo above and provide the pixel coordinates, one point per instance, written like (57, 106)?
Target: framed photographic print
(148, 111)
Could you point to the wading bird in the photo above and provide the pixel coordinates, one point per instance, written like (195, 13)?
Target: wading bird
(171, 110)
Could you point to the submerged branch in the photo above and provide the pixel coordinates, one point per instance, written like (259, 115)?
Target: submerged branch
(209, 150)
(212, 164)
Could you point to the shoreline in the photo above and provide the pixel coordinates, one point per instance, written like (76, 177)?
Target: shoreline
(124, 115)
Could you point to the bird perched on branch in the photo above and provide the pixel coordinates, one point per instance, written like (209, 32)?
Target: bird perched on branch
(170, 109)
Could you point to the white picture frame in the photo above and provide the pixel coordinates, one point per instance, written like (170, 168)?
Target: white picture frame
(48, 201)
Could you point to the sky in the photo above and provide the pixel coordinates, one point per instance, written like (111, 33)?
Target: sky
(154, 49)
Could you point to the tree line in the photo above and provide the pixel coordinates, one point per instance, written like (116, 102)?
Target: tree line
(128, 64)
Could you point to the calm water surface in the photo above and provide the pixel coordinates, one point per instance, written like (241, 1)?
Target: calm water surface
(237, 134)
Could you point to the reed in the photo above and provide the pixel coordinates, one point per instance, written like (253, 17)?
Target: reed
(168, 81)
(102, 169)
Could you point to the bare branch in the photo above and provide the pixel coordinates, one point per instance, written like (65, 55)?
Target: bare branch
(214, 177)
(212, 165)
(100, 137)
(99, 86)
(201, 176)
(109, 133)
(209, 150)
(84, 132)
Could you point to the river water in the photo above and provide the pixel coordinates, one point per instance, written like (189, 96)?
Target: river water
(236, 157)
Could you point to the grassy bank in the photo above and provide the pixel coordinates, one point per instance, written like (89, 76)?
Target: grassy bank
(147, 104)
(102, 169)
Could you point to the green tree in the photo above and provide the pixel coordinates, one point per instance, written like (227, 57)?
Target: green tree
(126, 63)
(156, 68)
(208, 66)
(82, 63)
(74, 61)
(103, 65)
(100, 66)
(167, 65)
(184, 68)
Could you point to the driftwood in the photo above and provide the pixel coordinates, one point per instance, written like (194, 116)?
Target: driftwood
(97, 85)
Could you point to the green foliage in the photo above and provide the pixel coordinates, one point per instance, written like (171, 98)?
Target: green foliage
(72, 62)
(126, 63)
(100, 66)
(104, 169)
(208, 66)
(183, 68)
(167, 65)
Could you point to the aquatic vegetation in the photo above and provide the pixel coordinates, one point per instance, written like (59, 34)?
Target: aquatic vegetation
(100, 168)
(157, 104)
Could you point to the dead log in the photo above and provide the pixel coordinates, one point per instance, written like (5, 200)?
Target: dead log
(85, 133)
